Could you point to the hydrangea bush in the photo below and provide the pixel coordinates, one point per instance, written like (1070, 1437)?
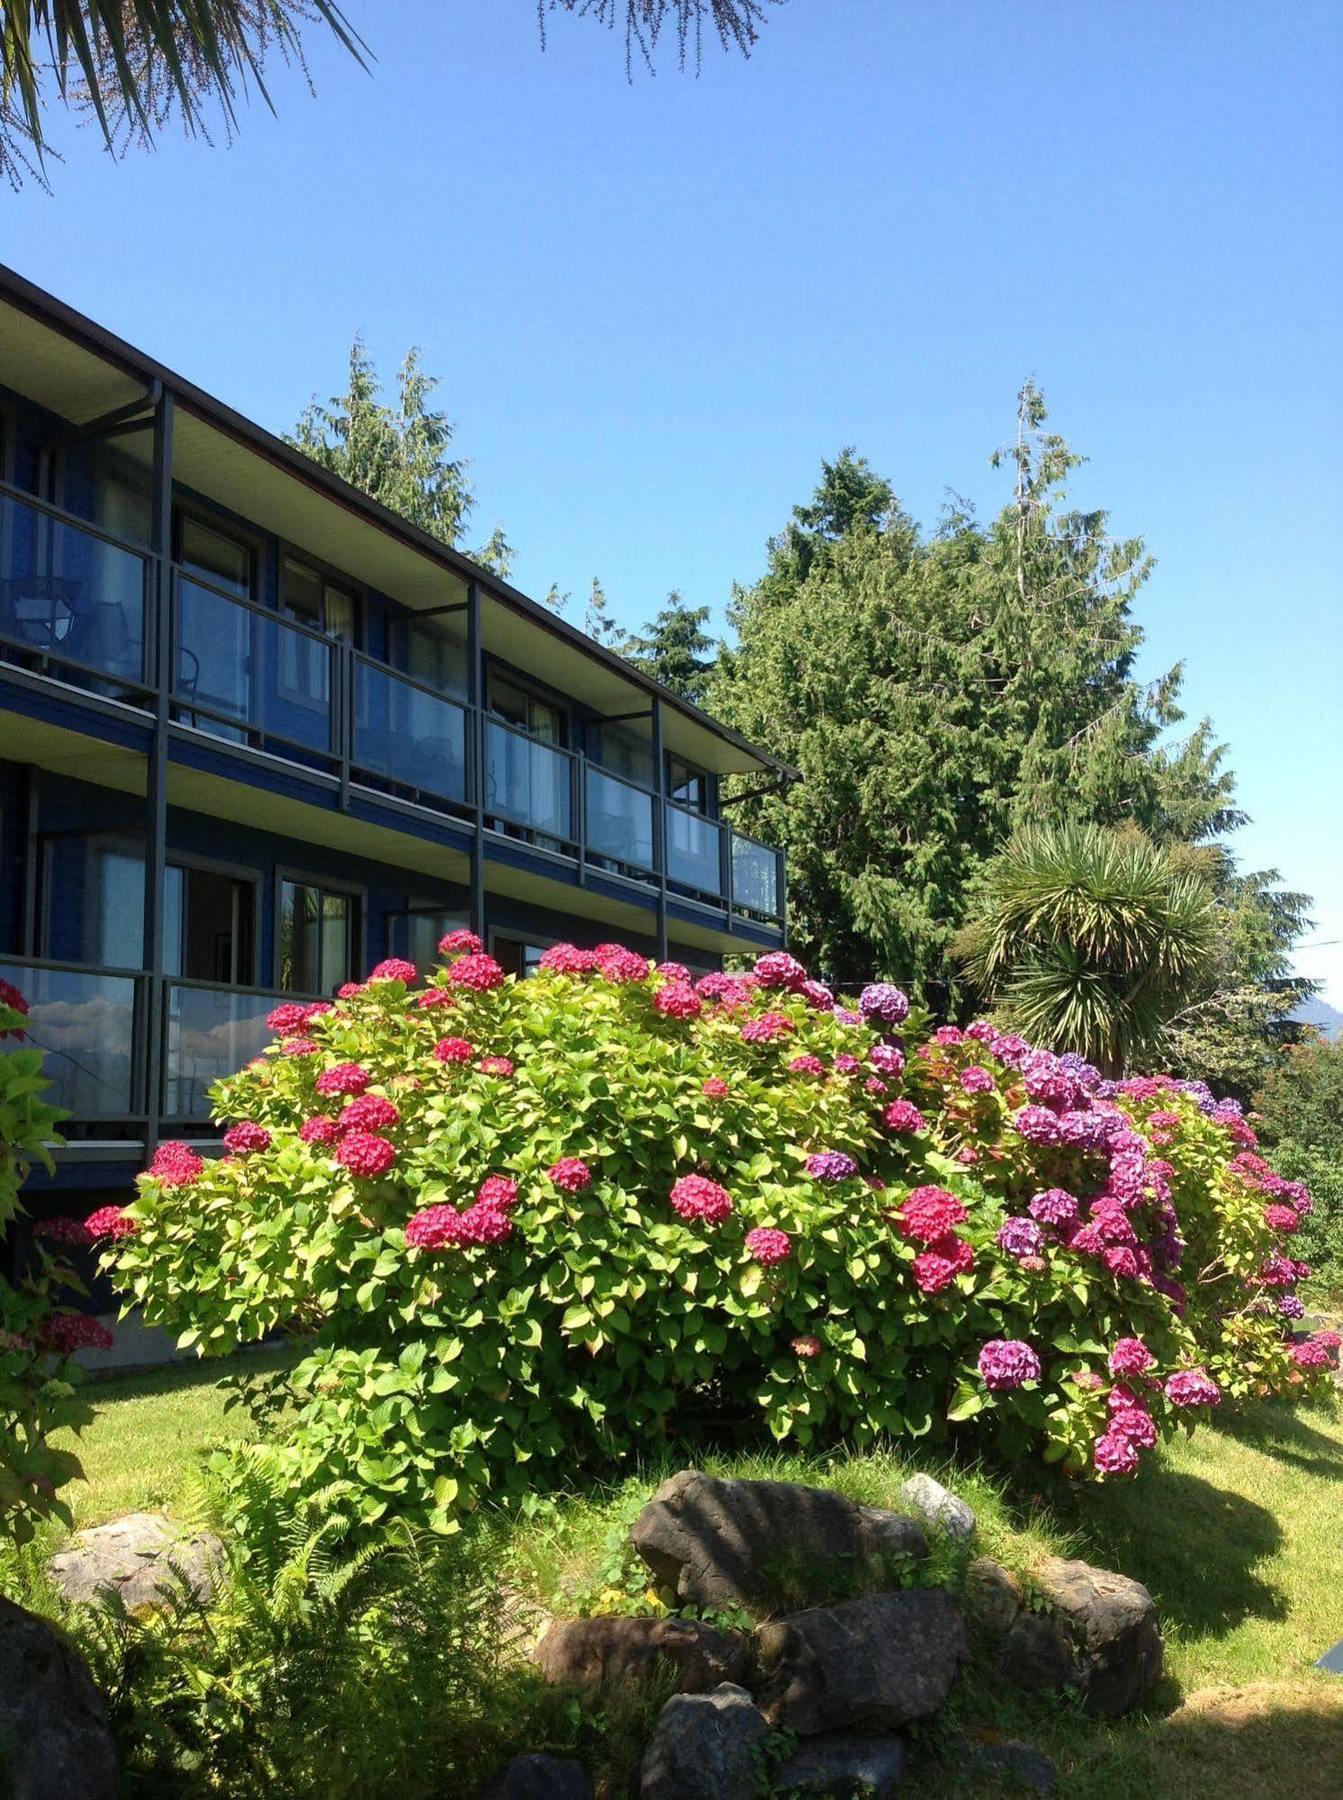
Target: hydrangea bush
(37, 1338)
(529, 1225)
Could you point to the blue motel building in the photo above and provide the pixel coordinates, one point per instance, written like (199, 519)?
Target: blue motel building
(257, 733)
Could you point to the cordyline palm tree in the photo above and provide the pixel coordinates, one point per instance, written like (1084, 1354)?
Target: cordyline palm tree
(133, 63)
(1090, 939)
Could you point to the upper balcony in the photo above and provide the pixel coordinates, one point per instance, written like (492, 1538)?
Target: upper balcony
(81, 607)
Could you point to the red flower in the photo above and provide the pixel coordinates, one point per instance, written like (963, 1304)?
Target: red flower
(498, 1191)
(350, 990)
(176, 1165)
(620, 965)
(364, 1154)
(344, 1078)
(480, 973)
(459, 941)
(63, 1333)
(285, 1020)
(768, 1246)
(110, 1221)
(299, 1046)
(904, 1116)
(454, 1050)
(485, 1225)
(370, 1112)
(696, 1197)
(436, 1228)
(806, 1065)
(496, 1065)
(928, 1213)
(678, 1001)
(1282, 1218)
(395, 968)
(319, 1131)
(806, 1346)
(766, 1028)
(568, 959)
(570, 1173)
(432, 997)
(245, 1137)
(716, 1088)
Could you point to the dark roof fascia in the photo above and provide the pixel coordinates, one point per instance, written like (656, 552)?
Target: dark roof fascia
(45, 306)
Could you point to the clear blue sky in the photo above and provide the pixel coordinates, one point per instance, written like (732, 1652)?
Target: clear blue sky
(656, 307)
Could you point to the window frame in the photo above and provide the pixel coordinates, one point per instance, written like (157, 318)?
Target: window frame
(355, 891)
(251, 541)
(243, 872)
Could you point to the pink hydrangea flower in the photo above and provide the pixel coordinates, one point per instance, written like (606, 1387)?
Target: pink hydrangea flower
(1006, 1363)
(176, 1165)
(620, 965)
(481, 974)
(806, 1346)
(454, 1050)
(928, 1213)
(1115, 1454)
(285, 1020)
(846, 1064)
(568, 959)
(716, 1088)
(875, 1085)
(570, 1173)
(370, 1112)
(1312, 1354)
(433, 998)
(395, 968)
(1192, 1387)
(976, 1080)
(319, 1131)
(777, 969)
(938, 1266)
(678, 1001)
(765, 1029)
(904, 1117)
(344, 1079)
(806, 1065)
(768, 1246)
(435, 1228)
(110, 1221)
(65, 1230)
(351, 990)
(63, 1333)
(696, 1197)
(497, 1065)
(365, 1154)
(673, 971)
(1131, 1356)
(817, 995)
(245, 1137)
(460, 942)
(485, 1225)
(1282, 1219)
(299, 1046)
(1121, 1261)
(498, 1191)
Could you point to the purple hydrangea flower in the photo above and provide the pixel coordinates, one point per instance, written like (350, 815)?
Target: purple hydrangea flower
(1055, 1206)
(1192, 1387)
(1291, 1306)
(976, 1080)
(883, 1002)
(1037, 1125)
(1021, 1237)
(831, 1165)
(1007, 1363)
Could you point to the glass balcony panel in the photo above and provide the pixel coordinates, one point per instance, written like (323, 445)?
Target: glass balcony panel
(692, 851)
(212, 1032)
(70, 597)
(527, 783)
(85, 1023)
(755, 877)
(408, 735)
(239, 669)
(620, 820)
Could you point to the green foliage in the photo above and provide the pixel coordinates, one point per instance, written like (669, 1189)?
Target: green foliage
(1089, 939)
(938, 690)
(399, 456)
(37, 1384)
(133, 66)
(315, 1669)
(445, 1368)
(675, 649)
(1299, 1113)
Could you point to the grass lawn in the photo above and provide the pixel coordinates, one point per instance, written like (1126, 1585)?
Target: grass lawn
(1237, 1531)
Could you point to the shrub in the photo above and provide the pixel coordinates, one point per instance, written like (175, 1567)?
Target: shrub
(524, 1226)
(1299, 1114)
(37, 1392)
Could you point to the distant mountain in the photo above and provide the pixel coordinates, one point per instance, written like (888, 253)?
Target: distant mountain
(1319, 1012)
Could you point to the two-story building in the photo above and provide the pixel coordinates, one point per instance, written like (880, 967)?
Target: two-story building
(257, 732)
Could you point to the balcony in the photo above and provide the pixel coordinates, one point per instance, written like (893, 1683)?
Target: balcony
(77, 606)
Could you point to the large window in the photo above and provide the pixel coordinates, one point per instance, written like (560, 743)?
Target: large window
(687, 785)
(415, 933)
(528, 711)
(93, 899)
(208, 925)
(515, 956)
(214, 556)
(318, 602)
(318, 937)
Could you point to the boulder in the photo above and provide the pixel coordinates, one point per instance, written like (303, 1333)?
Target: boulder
(132, 1555)
(758, 1543)
(875, 1664)
(1100, 1635)
(54, 1737)
(540, 1778)
(992, 1596)
(841, 1765)
(593, 1652)
(705, 1747)
(939, 1507)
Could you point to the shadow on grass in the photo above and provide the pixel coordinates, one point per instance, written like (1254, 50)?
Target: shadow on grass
(1194, 1546)
(1281, 1432)
(103, 1388)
